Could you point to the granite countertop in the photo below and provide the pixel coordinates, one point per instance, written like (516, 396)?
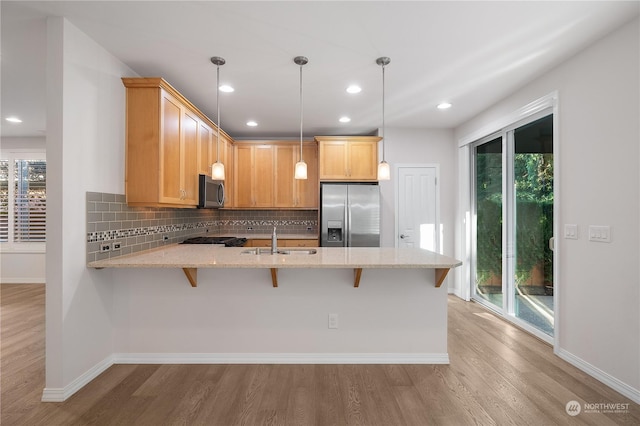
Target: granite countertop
(206, 256)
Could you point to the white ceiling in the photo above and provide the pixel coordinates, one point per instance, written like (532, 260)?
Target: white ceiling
(471, 54)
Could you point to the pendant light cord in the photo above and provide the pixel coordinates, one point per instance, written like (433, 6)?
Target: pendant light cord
(384, 133)
(301, 112)
(218, 109)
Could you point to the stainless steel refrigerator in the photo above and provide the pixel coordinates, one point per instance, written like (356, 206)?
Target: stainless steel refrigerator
(349, 215)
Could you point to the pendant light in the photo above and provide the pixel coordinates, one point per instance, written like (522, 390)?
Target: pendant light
(384, 172)
(217, 169)
(301, 166)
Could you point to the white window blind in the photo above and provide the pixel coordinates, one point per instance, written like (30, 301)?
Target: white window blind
(30, 201)
(4, 200)
(23, 201)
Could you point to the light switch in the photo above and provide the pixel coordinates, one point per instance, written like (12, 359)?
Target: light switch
(599, 233)
(571, 231)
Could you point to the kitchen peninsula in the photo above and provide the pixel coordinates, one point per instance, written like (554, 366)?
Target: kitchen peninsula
(191, 257)
(235, 315)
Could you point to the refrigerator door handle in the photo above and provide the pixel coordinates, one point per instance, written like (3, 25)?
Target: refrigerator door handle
(347, 212)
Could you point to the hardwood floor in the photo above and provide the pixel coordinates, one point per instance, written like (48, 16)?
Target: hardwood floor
(498, 375)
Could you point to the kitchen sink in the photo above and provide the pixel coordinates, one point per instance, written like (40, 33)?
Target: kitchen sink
(298, 251)
(258, 250)
(288, 251)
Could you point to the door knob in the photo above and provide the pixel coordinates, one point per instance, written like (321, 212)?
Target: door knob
(402, 236)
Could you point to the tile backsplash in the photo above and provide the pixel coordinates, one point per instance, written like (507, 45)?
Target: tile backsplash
(110, 221)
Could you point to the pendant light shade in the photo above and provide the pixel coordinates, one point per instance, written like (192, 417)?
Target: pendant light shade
(384, 171)
(301, 167)
(217, 169)
(301, 170)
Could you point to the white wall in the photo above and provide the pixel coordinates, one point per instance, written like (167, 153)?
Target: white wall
(85, 146)
(238, 311)
(421, 146)
(598, 157)
(23, 266)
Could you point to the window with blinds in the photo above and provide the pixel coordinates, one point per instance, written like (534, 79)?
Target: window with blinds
(23, 200)
(30, 201)
(4, 201)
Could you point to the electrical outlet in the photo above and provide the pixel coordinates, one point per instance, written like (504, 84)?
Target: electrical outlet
(116, 246)
(333, 320)
(105, 247)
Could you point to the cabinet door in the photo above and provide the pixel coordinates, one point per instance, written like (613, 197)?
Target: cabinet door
(333, 160)
(189, 157)
(206, 149)
(284, 160)
(170, 147)
(299, 243)
(226, 156)
(243, 161)
(308, 191)
(263, 176)
(363, 160)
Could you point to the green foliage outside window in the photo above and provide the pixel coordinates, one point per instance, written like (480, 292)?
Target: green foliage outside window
(534, 210)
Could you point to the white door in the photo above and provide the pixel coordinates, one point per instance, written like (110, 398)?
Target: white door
(418, 224)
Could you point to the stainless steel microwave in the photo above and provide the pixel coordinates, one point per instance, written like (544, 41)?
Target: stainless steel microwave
(211, 193)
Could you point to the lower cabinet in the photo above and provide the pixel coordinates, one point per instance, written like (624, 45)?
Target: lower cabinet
(266, 242)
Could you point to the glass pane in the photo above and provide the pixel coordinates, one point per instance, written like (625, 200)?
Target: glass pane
(533, 183)
(30, 201)
(4, 200)
(488, 182)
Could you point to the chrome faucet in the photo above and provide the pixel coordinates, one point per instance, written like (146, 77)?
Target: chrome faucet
(274, 242)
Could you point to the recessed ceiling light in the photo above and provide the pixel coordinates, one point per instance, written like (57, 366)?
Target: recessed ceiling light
(226, 88)
(13, 119)
(444, 105)
(344, 119)
(252, 123)
(354, 89)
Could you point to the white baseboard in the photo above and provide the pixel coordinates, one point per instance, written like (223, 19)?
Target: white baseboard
(61, 394)
(276, 358)
(615, 384)
(22, 280)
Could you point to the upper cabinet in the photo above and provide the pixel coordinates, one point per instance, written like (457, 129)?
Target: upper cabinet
(348, 158)
(168, 143)
(253, 175)
(263, 175)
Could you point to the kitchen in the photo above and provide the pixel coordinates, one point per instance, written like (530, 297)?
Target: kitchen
(89, 301)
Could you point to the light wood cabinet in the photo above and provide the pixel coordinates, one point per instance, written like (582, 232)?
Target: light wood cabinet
(264, 242)
(348, 157)
(226, 157)
(168, 143)
(206, 148)
(263, 175)
(299, 243)
(253, 175)
(307, 191)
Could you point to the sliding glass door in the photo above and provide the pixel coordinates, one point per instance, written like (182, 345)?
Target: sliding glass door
(513, 226)
(488, 226)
